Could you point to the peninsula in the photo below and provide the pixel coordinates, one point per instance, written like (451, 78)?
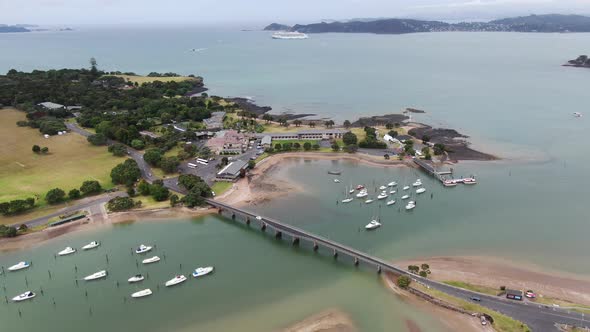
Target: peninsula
(581, 61)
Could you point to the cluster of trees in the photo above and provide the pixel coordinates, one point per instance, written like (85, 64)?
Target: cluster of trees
(126, 173)
(439, 149)
(122, 204)
(58, 195)
(156, 190)
(296, 146)
(371, 141)
(404, 282)
(37, 149)
(409, 147)
(11, 231)
(350, 142)
(422, 270)
(117, 149)
(155, 157)
(17, 206)
(197, 189)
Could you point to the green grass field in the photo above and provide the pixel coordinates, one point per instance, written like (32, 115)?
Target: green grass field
(475, 288)
(145, 79)
(71, 160)
(221, 187)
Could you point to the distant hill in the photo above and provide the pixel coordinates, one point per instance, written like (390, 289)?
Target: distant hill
(532, 23)
(12, 28)
(277, 27)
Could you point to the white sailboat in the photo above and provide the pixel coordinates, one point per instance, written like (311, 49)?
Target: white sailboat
(391, 202)
(382, 188)
(410, 206)
(142, 293)
(175, 281)
(362, 194)
(97, 275)
(420, 190)
(91, 245)
(406, 187)
(369, 201)
(383, 195)
(67, 251)
(392, 192)
(19, 266)
(392, 184)
(202, 271)
(418, 183)
(142, 249)
(347, 200)
(135, 278)
(24, 296)
(405, 196)
(151, 260)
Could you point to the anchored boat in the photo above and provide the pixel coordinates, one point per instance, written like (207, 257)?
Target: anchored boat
(67, 251)
(135, 278)
(391, 202)
(19, 266)
(151, 260)
(142, 293)
(24, 296)
(202, 271)
(91, 245)
(142, 249)
(374, 224)
(420, 190)
(175, 281)
(97, 275)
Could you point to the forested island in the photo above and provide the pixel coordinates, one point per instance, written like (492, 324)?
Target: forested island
(581, 61)
(533, 23)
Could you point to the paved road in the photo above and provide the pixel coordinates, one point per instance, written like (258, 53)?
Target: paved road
(539, 318)
(90, 203)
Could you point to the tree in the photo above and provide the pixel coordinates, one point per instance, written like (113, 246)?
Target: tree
(23, 228)
(173, 200)
(349, 138)
(297, 123)
(118, 149)
(152, 156)
(425, 267)
(36, 148)
(74, 194)
(425, 139)
(386, 156)
(169, 164)
(120, 204)
(194, 184)
(423, 274)
(97, 139)
(296, 145)
(346, 124)
(439, 149)
(251, 164)
(267, 117)
(137, 144)
(404, 282)
(389, 126)
(90, 187)
(311, 124)
(93, 67)
(131, 191)
(316, 147)
(55, 196)
(351, 148)
(335, 147)
(413, 268)
(392, 133)
(224, 161)
(143, 188)
(126, 173)
(159, 192)
(329, 123)
(278, 147)
(192, 199)
(11, 232)
(306, 146)
(44, 150)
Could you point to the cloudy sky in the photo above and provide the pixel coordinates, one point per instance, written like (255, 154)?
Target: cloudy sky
(263, 11)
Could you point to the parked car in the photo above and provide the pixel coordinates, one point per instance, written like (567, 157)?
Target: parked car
(530, 294)
(475, 298)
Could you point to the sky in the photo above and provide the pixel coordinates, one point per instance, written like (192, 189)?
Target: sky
(253, 12)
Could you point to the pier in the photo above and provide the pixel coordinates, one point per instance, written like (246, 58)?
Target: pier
(439, 175)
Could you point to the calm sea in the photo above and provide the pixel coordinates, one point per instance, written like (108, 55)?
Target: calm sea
(506, 90)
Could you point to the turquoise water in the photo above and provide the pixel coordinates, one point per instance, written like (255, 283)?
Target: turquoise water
(506, 90)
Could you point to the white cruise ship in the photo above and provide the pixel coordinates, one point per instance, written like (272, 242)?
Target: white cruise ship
(289, 35)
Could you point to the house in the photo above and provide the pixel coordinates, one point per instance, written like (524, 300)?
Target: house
(266, 141)
(514, 294)
(50, 106)
(232, 171)
(215, 121)
(318, 134)
(149, 134)
(228, 142)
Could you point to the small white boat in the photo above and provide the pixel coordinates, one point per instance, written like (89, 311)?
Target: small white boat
(175, 281)
(351, 191)
(406, 187)
(67, 251)
(202, 271)
(142, 293)
(373, 225)
(362, 194)
(336, 181)
(449, 183)
(420, 190)
(391, 202)
(405, 196)
(142, 249)
(410, 206)
(417, 184)
(24, 296)
(347, 200)
(469, 181)
(97, 275)
(577, 114)
(369, 201)
(151, 260)
(392, 192)
(382, 188)
(392, 184)
(382, 196)
(19, 266)
(91, 245)
(135, 278)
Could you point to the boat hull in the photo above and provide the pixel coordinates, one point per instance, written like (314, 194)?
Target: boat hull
(142, 293)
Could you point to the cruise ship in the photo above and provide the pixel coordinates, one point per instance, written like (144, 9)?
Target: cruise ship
(289, 35)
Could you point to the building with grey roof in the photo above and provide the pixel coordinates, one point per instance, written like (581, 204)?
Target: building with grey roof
(215, 121)
(231, 172)
(316, 134)
(51, 106)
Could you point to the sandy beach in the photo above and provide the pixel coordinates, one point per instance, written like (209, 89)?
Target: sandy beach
(495, 272)
(331, 320)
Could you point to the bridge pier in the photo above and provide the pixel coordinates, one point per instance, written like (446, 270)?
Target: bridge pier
(315, 246)
(263, 227)
(233, 216)
(248, 221)
(295, 241)
(356, 261)
(278, 234)
(379, 269)
(335, 254)
(220, 211)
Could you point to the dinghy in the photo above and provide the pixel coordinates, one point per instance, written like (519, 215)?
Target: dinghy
(392, 184)
(406, 187)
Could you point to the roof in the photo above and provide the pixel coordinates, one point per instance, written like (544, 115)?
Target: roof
(266, 140)
(403, 137)
(233, 168)
(50, 105)
(323, 131)
(514, 292)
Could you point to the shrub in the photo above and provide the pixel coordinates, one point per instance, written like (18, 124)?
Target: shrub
(55, 196)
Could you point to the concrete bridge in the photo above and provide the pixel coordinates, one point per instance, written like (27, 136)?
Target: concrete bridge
(537, 317)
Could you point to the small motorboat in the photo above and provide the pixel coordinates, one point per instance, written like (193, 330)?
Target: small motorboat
(142, 249)
(347, 200)
(405, 196)
(374, 224)
(392, 184)
(151, 260)
(351, 191)
(469, 181)
(577, 114)
(362, 194)
(392, 192)
(175, 281)
(383, 195)
(135, 278)
(360, 187)
(19, 266)
(67, 251)
(142, 293)
(382, 188)
(24, 296)
(410, 206)
(369, 201)
(97, 275)
(420, 190)
(391, 202)
(91, 245)
(417, 183)
(449, 183)
(406, 187)
(336, 181)
(335, 172)
(202, 271)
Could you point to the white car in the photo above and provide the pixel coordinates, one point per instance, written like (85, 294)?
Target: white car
(258, 218)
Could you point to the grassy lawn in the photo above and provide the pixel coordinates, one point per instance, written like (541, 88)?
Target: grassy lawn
(502, 323)
(292, 141)
(148, 202)
(475, 288)
(261, 157)
(145, 79)
(220, 187)
(161, 174)
(70, 161)
(173, 152)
